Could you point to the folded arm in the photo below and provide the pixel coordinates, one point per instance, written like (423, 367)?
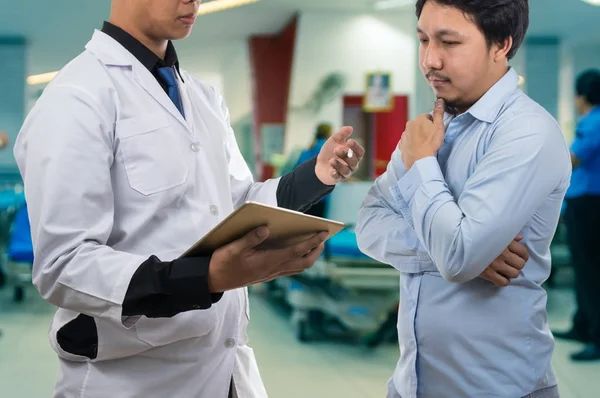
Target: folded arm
(526, 161)
(382, 231)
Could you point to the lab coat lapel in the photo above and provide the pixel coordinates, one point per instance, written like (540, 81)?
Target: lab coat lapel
(111, 53)
(152, 87)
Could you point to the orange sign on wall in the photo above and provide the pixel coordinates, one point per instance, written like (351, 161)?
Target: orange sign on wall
(3, 139)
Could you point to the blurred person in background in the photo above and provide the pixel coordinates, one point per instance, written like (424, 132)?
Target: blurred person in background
(582, 218)
(322, 134)
(3, 140)
(466, 212)
(127, 162)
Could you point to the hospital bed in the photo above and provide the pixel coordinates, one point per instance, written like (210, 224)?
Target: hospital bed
(344, 286)
(12, 200)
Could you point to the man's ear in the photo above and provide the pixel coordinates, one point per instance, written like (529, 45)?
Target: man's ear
(499, 51)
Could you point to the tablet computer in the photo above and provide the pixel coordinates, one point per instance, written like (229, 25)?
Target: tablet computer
(286, 227)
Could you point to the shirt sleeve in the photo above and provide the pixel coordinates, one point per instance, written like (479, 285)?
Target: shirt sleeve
(526, 161)
(301, 188)
(164, 289)
(586, 145)
(383, 232)
(64, 152)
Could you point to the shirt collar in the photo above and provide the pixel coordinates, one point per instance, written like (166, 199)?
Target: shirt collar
(488, 106)
(143, 54)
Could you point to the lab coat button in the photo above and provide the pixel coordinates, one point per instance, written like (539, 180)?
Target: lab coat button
(214, 210)
(230, 343)
(195, 147)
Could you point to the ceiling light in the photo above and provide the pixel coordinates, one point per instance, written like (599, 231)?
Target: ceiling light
(385, 4)
(220, 5)
(41, 78)
(592, 2)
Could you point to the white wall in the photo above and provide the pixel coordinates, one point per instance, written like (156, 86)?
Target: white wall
(519, 60)
(566, 93)
(235, 71)
(353, 44)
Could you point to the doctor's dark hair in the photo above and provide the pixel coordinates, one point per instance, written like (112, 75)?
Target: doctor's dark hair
(587, 85)
(497, 19)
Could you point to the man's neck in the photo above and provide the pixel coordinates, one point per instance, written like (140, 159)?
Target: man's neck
(158, 47)
(587, 109)
(495, 78)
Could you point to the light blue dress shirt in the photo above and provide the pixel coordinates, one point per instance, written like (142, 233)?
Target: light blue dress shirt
(503, 169)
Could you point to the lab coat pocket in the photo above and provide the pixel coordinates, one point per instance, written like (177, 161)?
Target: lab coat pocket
(158, 332)
(151, 153)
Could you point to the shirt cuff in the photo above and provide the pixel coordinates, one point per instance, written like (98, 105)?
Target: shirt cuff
(164, 289)
(423, 171)
(301, 188)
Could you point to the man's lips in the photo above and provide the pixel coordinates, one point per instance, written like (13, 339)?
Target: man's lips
(188, 19)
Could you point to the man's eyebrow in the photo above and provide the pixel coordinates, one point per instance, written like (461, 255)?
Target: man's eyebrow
(447, 32)
(442, 32)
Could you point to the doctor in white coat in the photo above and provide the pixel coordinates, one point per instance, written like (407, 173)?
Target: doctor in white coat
(127, 161)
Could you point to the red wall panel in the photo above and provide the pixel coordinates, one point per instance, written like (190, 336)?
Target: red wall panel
(271, 60)
(389, 127)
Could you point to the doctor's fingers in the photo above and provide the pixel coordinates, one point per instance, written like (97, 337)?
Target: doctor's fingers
(340, 168)
(347, 157)
(274, 264)
(300, 264)
(283, 273)
(299, 250)
(358, 150)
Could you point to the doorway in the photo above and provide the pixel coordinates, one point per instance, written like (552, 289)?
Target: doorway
(377, 132)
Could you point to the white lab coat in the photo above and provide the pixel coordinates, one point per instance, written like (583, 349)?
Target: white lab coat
(113, 174)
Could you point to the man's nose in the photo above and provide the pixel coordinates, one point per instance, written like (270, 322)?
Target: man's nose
(432, 58)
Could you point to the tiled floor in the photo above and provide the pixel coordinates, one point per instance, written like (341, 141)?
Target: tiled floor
(289, 369)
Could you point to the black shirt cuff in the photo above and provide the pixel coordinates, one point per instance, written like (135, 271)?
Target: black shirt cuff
(301, 188)
(164, 289)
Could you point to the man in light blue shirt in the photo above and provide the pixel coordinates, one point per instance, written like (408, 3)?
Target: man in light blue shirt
(464, 183)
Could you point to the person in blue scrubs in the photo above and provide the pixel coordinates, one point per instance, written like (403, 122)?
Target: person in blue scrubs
(582, 218)
(321, 136)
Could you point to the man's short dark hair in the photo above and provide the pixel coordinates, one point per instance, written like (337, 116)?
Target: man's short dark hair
(497, 19)
(587, 85)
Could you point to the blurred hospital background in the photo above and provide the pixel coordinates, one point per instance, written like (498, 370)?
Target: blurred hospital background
(291, 71)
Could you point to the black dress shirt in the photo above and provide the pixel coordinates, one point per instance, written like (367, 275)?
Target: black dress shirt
(164, 289)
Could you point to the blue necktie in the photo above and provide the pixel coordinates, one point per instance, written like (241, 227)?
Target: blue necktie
(167, 74)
